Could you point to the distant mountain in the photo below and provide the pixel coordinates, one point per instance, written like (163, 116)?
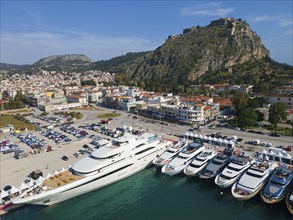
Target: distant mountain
(68, 62)
(5, 67)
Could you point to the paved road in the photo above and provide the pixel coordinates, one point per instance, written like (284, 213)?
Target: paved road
(14, 171)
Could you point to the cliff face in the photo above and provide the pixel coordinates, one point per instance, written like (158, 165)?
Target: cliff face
(222, 44)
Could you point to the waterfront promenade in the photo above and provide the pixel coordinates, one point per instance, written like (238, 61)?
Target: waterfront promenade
(14, 171)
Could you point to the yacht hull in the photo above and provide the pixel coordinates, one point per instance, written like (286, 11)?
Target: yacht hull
(241, 195)
(190, 171)
(129, 168)
(226, 183)
(271, 200)
(289, 206)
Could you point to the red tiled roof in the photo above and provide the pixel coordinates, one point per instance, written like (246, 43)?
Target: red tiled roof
(3, 101)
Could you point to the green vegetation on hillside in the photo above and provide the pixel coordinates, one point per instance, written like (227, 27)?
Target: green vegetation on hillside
(119, 64)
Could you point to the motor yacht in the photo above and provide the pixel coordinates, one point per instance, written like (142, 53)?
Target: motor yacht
(124, 157)
(253, 180)
(215, 166)
(276, 189)
(178, 163)
(170, 153)
(234, 170)
(200, 162)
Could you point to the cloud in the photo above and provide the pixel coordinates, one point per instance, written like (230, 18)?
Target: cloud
(27, 48)
(262, 18)
(280, 19)
(209, 9)
(284, 22)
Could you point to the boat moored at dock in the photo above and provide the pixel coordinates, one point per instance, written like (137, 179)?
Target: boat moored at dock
(170, 153)
(200, 162)
(276, 189)
(233, 171)
(253, 180)
(216, 165)
(178, 163)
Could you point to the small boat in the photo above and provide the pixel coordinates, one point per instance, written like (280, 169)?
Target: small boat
(253, 180)
(200, 162)
(289, 200)
(276, 188)
(170, 153)
(178, 163)
(7, 194)
(234, 170)
(215, 166)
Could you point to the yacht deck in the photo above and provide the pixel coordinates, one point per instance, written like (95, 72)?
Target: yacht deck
(61, 179)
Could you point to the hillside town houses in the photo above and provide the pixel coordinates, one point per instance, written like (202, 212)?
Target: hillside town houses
(52, 91)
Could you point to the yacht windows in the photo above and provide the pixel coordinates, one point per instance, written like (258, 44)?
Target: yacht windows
(233, 168)
(181, 157)
(277, 183)
(200, 159)
(108, 174)
(170, 151)
(195, 166)
(286, 160)
(104, 158)
(217, 162)
(139, 145)
(119, 143)
(188, 149)
(256, 169)
(253, 175)
(226, 177)
(145, 150)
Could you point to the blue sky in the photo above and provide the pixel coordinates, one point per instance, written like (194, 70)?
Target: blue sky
(31, 30)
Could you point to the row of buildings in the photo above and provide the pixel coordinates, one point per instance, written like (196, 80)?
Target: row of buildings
(54, 92)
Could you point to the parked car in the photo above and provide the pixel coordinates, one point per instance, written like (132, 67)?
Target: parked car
(65, 158)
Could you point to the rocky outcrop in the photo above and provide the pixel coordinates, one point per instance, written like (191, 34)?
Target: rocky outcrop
(221, 44)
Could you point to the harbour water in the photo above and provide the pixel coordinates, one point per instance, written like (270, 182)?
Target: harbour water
(153, 195)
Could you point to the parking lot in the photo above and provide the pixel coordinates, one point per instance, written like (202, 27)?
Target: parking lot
(89, 132)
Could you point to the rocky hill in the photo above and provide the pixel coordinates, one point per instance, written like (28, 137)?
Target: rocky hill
(200, 50)
(68, 62)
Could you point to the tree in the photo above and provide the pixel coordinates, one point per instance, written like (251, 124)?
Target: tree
(260, 115)
(277, 113)
(254, 103)
(240, 101)
(247, 117)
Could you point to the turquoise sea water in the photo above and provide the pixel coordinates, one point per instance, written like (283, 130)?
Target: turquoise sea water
(153, 195)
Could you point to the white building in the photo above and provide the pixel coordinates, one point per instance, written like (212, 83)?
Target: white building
(77, 99)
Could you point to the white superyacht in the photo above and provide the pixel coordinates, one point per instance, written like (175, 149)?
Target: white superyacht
(125, 156)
